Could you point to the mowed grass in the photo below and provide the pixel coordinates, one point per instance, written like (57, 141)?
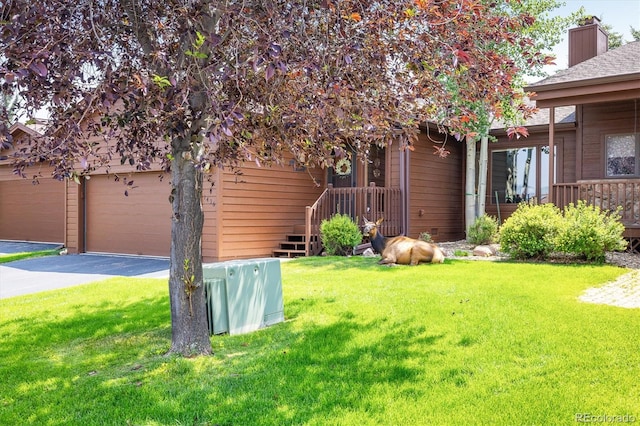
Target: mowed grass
(459, 343)
(12, 257)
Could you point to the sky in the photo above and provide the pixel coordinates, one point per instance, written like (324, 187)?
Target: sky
(620, 14)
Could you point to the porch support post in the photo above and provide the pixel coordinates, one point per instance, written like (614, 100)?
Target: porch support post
(552, 121)
(404, 189)
(307, 231)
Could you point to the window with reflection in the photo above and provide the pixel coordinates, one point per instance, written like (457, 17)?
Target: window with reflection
(520, 174)
(622, 153)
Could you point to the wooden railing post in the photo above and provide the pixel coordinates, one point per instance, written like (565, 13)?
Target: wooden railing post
(307, 231)
(371, 202)
(607, 194)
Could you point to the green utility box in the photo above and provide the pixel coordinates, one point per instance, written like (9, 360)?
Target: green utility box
(243, 295)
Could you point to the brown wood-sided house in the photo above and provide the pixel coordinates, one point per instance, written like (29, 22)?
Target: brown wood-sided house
(585, 141)
(264, 211)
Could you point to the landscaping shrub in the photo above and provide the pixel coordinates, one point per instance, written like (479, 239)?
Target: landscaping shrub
(590, 232)
(426, 237)
(340, 235)
(484, 230)
(531, 231)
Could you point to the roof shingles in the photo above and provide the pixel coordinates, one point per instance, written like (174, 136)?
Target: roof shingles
(617, 62)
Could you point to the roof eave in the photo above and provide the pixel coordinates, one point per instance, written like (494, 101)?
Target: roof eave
(16, 127)
(538, 128)
(596, 91)
(538, 88)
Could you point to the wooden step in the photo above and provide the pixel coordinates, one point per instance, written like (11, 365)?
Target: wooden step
(300, 237)
(288, 253)
(295, 237)
(292, 245)
(295, 244)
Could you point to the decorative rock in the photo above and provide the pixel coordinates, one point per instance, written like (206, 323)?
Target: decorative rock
(483, 251)
(368, 253)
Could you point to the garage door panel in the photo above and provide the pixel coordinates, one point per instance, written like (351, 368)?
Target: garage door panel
(32, 212)
(137, 223)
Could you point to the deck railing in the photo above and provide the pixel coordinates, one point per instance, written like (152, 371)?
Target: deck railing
(371, 202)
(607, 194)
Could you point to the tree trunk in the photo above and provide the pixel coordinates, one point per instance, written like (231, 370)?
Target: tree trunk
(470, 186)
(525, 181)
(482, 175)
(510, 184)
(189, 331)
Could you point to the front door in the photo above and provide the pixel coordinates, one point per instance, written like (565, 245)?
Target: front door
(343, 175)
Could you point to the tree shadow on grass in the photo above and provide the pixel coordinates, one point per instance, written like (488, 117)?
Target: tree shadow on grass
(87, 321)
(48, 357)
(282, 376)
(331, 370)
(112, 355)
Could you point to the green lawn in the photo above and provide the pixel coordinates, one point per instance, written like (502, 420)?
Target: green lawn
(465, 342)
(12, 257)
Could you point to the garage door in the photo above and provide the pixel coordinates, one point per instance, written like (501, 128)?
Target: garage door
(32, 212)
(137, 223)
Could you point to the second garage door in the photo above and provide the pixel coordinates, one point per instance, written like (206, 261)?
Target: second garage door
(137, 223)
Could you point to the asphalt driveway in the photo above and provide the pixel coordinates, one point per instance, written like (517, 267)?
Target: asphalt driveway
(53, 272)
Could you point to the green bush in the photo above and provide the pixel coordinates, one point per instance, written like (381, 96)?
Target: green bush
(484, 230)
(531, 231)
(340, 235)
(590, 232)
(426, 237)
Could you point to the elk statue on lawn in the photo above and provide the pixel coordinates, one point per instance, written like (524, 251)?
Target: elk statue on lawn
(400, 250)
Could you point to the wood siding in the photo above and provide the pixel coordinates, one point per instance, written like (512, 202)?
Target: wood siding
(211, 195)
(567, 156)
(598, 121)
(392, 171)
(74, 220)
(258, 208)
(436, 187)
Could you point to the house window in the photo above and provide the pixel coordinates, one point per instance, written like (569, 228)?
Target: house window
(520, 174)
(622, 154)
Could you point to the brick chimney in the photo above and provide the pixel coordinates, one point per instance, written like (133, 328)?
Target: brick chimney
(587, 40)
